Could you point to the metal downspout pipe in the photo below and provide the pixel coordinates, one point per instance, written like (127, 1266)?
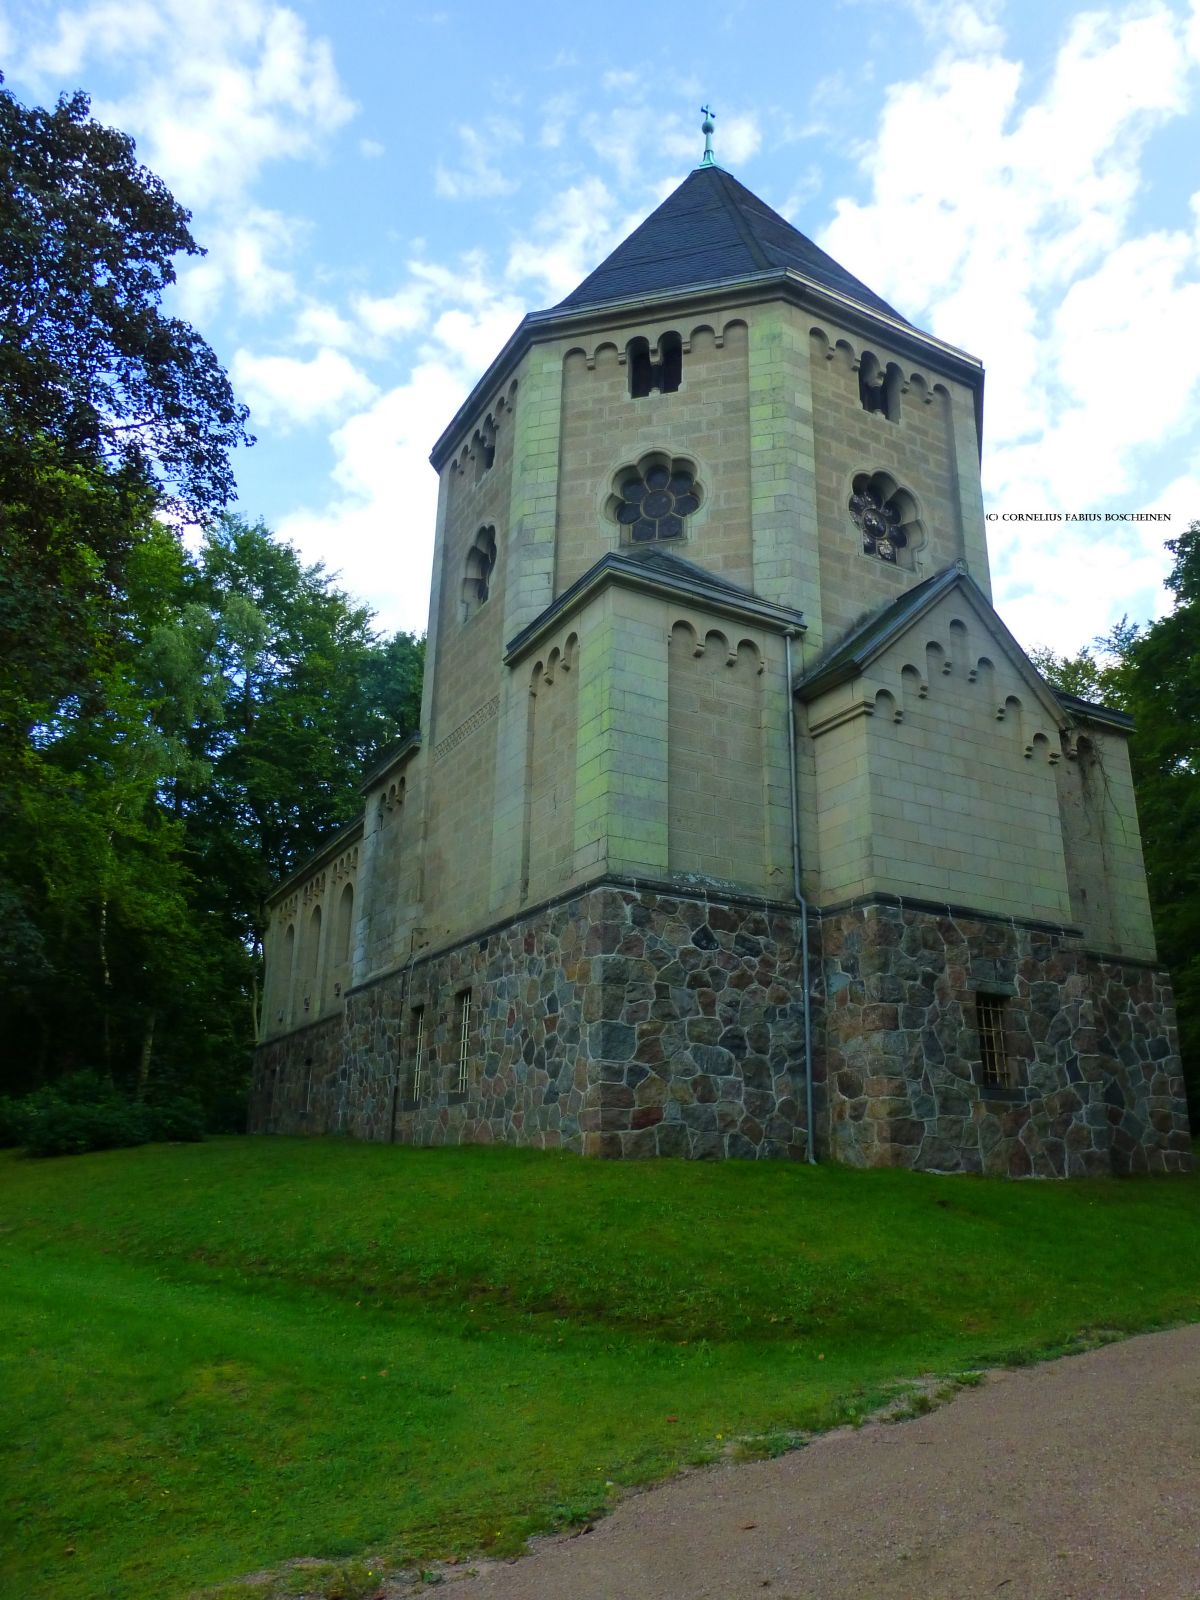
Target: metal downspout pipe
(810, 1140)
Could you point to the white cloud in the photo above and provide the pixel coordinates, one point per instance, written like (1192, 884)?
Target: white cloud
(217, 90)
(473, 339)
(961, 26)
(324, 325)
(381, 523)
(557, 112)
(1001, 216)
(242, 259)
(480, 174)
(371, 149)
(388, 316)
(568, 238)
(283, 390)
(739, 138)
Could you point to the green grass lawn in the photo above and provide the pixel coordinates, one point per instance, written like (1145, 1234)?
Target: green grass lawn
(217, 1357)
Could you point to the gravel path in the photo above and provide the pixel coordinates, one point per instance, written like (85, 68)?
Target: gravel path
(1077, 1480)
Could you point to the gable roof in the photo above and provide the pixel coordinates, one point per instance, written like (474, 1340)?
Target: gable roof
(862, 645)
(712, 228)
(655, 559)
(661, 572)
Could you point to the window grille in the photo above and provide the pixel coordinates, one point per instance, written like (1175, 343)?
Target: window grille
(464, 1031)
(418, 1069)
(989, 1013)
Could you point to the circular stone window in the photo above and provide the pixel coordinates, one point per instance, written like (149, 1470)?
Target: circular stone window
(885, 515)
(652, 500)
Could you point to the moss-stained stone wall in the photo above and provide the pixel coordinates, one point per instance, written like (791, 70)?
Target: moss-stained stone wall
(1091, 1042)
(618, 1022)
(626, 1022)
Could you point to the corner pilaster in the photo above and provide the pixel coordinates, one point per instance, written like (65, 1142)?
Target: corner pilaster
(783, 509)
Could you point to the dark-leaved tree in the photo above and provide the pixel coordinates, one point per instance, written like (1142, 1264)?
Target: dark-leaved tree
(88, 358)
(1154, 673)
(309, 695)
(174, 730)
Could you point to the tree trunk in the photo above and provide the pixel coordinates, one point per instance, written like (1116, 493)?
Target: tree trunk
(106, 991)
(143, 1076)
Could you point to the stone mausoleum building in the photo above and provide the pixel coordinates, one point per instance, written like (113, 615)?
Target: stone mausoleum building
(738, 823)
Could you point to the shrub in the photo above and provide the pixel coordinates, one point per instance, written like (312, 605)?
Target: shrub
(179, 1118)
(12, 1122)
(87, 1112)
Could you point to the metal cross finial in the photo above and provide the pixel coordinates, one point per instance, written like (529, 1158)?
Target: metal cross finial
(706, 128)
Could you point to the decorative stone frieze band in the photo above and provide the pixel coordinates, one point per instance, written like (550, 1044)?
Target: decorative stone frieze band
(465, 729)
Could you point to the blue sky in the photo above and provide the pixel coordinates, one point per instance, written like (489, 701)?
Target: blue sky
(384, 189)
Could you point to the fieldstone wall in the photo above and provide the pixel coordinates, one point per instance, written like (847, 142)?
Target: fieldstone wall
(632, 1023)
(616, 1023)
(1092, 1042)
(697, 1043)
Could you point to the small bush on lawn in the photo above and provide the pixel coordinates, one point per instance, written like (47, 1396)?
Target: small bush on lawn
(86, 1112)
(11, 1125)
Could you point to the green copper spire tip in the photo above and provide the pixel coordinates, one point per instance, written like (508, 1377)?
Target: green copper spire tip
(706, 128)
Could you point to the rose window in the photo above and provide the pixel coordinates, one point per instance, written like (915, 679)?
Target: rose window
(653, 502)
(884, 514)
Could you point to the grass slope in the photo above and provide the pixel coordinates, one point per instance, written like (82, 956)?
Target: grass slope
(218, 1357)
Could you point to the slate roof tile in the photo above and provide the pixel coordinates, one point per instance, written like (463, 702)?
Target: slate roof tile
(712, 227)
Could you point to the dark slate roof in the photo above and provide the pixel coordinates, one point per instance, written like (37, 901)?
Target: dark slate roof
(872, 636)
(862, 643)
(651, 562)
(1092, 710)
(672, 566)
(711, 228)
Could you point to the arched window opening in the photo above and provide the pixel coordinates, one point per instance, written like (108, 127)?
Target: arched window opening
(283, 987)
(879, 387)
(483, 448)
(886, 517)
(650, 377)
(312, 964)
(345, 924)
(481, 563)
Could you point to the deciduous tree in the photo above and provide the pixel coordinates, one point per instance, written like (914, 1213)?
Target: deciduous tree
(1154, 672)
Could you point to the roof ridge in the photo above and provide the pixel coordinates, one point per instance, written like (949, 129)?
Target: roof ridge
(734, 208)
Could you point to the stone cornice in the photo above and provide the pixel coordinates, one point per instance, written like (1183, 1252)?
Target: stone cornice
(395, 756)
(338, 841)
(788, 284)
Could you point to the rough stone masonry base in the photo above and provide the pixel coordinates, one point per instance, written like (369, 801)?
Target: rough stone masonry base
(1092, 1043)
(626, 1022)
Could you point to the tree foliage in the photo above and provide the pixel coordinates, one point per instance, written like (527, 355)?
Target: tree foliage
(1154, 673)
(88, 358)
(175, 729)
(223, 734)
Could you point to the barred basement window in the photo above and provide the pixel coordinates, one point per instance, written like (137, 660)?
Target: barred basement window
(418, 1066)
(989, 1019)
(464, 1032)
